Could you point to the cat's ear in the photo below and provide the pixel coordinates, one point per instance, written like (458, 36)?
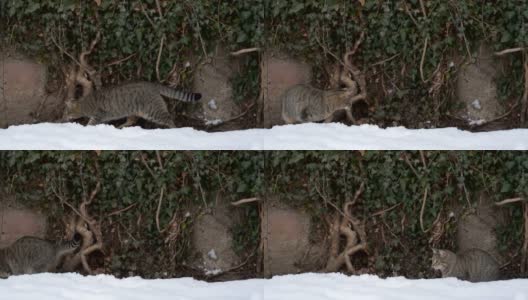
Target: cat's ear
(442, 253)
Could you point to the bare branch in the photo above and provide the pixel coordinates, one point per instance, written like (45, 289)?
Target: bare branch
(243, 51)
(158, 6)
(141, 155)
(159, 209)
(424, 199)
(510, 50)
(160, 162)
(117, 212)
(509, 200)
(383, 211)
(159, 57)
(422, 6)
(423, 59)
(243, 201)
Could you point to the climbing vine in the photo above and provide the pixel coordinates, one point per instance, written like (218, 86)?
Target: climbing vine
(411, 51)
(406, 195)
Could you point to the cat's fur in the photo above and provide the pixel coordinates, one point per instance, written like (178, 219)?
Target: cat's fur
(30, 255)
(304, 103)
(139, 99)
(474, 265)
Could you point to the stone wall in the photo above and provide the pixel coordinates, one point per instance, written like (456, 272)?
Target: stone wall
(17, 221)
(278, 73)
(23, 95)
(476, 88)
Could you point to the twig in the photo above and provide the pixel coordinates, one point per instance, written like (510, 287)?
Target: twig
(116, 62)
(509, 200)
(93, 194)
(117, 212)
(466, 193)
(235, 267)
(524, 100)
(494, 119)
(525, 243)
(383, 211)
(235, 117)
(243, 201)
(69, 205)
(385, 60)
(243, 51)
(325, 49)
(423, 208)
(358, 193)
(64, 51)
(422, 6)
(146, 15)
(422, 156)
(159, 57)
(507, 51)
(158, 6)
(410, 14)
(358, 43)
(326, 200)
(423, 58)
(342, 213)
(147, 166)
(410, 164)
(159, 208)
(160, 162)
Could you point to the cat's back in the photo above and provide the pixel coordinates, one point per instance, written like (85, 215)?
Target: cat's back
(302, 103)
(29, 245)
(301, 93)
(125, 90)
(481, 265)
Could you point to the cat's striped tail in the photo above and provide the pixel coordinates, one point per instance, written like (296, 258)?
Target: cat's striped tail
(67, 247)
(179, 94)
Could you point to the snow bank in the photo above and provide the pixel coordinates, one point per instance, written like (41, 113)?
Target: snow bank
(293, 137)
(289, 287)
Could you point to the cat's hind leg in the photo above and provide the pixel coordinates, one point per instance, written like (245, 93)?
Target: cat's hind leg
(162, 118)
(131, 120)
(349, 115)
(329, 119)
(93, 121)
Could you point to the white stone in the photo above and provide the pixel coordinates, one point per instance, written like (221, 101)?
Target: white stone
(212, 254)
(212, 104)
(476, 104)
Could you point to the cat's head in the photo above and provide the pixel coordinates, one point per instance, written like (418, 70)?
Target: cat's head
(72, 111)
(441, 259)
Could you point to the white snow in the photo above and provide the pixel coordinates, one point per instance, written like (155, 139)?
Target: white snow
(212, 104)
(213, 272)
(289, 287)
(476, 104)
(213, 122)
(476, 122)
(304, 136)
(212, 254)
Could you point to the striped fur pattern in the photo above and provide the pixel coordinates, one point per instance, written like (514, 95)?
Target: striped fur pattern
(30, 255)
(303, 103)
(140, 99)
(474, 265)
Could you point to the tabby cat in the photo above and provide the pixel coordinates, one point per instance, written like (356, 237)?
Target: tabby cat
(30, 255)
(474, 265)
(304, 103)
(132, 100)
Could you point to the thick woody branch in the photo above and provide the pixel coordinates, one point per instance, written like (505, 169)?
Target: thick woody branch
(345, 224)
